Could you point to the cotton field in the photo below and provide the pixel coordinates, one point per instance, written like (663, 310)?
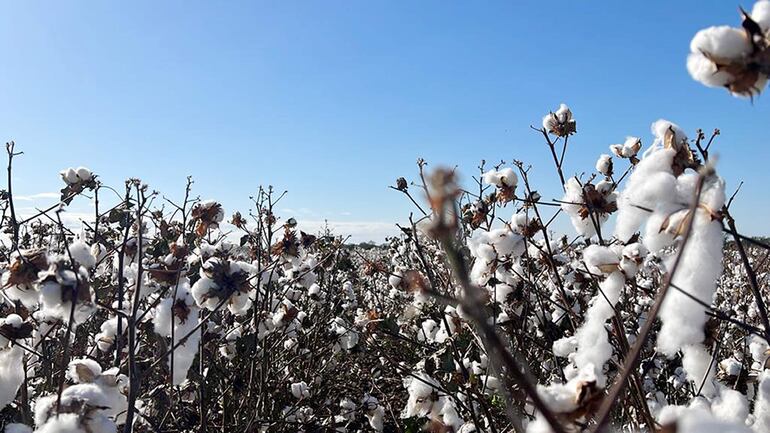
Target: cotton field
(166, 312)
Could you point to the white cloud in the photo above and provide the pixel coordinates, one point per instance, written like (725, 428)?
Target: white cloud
(38, 196)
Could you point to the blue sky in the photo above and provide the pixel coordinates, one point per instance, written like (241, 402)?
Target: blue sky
(334, 100)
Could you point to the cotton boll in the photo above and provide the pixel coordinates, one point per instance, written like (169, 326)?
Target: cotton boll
(761, 14)
(201, 293)
(69, 176)
(652, 184)
(696, 362)
(600, 260)
(565, 346)
(604, 165)
(300, 390)
(698, 420)
(81, 253)
(374, 412)
(83, 370)
(11, 373)
(705, 71)
(347, 337)
(762, 404)
(395, 280)
(421, 390)
(730, 406)
(594, 348)
(559, 123)
(428, 331)
(490, 177)
(628, 149)
(661, 126)
(18, 428)
(563, 397)
(721, 42)
(84, 174)
(759, 351)
(699, 268)
(181, 313)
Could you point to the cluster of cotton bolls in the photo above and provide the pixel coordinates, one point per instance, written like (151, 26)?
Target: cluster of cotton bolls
(675, 203)
(72, 176)
(95, 403)
(734, 58)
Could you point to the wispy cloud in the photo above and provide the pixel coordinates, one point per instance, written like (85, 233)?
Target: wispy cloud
(39, 196)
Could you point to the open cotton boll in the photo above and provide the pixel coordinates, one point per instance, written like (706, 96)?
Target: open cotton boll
(181, 313)
(374, 412)
(594, 348)
(81, 253)
(696, 362)
(83, 370)
(705, 71)
(600, 260)
(730, 405)
(651, 184)
(300, 390)
(604, 165)
(504, 177)
(84, 174)
(762, 404)
(75, 423)
(699, 268)
(108, 331)
(659, 128)
(721, 42)
(69, 176)
(559, 123)
(11, 373)
(761, 14)
(758, 348)
(17, 428)
(628, 149)
(421, 390)
(101, 394)
(586, 218)
(564, 397)
(697, 418)
(347, 337)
